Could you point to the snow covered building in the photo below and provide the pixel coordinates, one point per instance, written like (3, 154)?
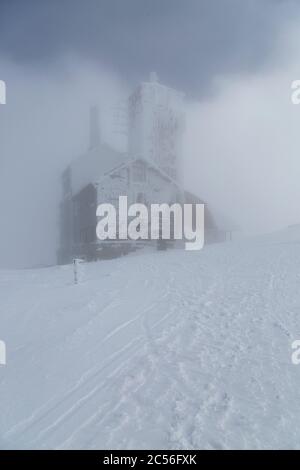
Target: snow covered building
(156, 125)
(150, 172)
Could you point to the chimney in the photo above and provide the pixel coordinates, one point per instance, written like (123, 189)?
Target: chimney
(95, 137)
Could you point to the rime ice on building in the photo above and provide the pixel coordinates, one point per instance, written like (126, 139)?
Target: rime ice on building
(156, 125)
(150, 172)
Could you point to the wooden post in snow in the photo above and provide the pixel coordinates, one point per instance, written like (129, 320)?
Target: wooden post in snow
(76, 262)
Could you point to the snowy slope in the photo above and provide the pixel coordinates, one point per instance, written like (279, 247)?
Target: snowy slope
(157, 350)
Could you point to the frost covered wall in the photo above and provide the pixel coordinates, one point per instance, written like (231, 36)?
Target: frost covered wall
(156, 124)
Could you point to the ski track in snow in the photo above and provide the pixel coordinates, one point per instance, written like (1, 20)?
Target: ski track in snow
(177, 350)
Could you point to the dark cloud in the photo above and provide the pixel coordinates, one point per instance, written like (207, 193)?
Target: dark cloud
(187, 42)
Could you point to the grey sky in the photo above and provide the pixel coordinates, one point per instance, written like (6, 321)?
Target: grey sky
(188, 42)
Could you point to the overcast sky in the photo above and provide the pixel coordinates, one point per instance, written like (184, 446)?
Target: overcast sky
(188, 42)
(234, 60)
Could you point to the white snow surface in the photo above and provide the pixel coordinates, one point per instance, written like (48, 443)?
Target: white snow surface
(157, 350)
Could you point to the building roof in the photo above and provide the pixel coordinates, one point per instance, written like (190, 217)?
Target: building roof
(95, 163)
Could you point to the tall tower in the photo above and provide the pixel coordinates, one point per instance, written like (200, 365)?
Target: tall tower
(156, 124)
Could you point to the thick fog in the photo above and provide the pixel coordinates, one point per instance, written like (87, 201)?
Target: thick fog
(44, 125)
(241, 148)
(243, 145)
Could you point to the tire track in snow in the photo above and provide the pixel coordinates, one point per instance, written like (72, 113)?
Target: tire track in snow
(80, 401)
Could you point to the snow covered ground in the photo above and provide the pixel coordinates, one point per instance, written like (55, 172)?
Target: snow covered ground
(172, 349)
